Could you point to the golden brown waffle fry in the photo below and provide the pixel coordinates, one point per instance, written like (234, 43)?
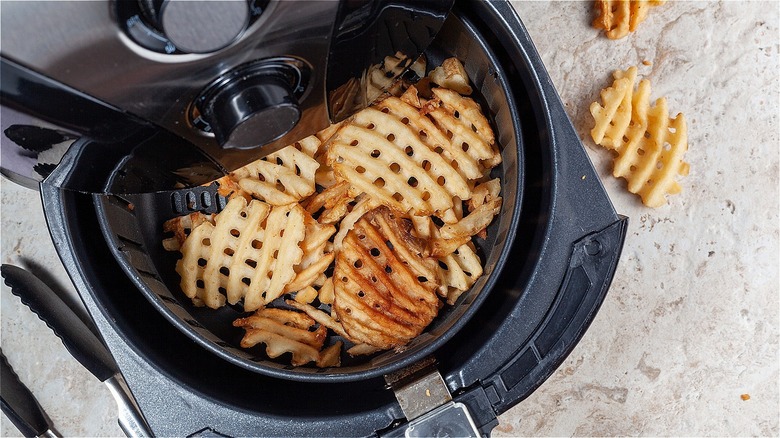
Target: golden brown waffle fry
(181, 227)
(382, 156)
(384, 281)
(284, 331)
(649, 145)
(613, 118)
(459, 271)
(250, 253)
(475, 222)
(451, 75)
(317, 255)
(619, 17)
(283, 177)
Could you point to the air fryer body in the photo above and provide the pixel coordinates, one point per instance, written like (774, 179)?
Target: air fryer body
(567, 245)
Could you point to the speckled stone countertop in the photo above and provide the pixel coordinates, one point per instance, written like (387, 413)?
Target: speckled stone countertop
(690, 324)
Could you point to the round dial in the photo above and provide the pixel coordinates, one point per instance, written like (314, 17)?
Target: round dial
(250, 111)
(198, 26)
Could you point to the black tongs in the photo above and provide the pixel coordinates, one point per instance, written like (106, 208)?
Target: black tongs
(81, 341)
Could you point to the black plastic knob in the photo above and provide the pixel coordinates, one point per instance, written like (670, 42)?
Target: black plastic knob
(199, 26)
(249, 111)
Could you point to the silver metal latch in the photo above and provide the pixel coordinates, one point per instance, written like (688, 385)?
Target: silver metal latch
(427, 404)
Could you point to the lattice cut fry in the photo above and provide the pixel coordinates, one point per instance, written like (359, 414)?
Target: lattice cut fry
(384, 157)
(384, 281)
(459, 271)
(649, 145)
(619, 17)
(317, 254)
(181, 226)
(475, 222)
(251, 252)
(612, 119)
(462, 120)
(451, 74)
(283, 331)
(283, 177)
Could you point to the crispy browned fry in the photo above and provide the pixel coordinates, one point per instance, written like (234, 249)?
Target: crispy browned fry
(283, 331)
(451, 74)
(181, 227)
(384, 281)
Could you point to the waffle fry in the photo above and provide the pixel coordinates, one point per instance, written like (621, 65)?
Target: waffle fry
(386, 159)
(281, 178)
(384, 282)
(619, 17)
(451, 75)
(284, 331)
(649, 145)
(238, 258)
(317, 255)
(459, 271)
(181, 227)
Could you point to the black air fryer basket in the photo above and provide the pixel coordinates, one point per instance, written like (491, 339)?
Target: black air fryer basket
(135, 235)
(549, 261)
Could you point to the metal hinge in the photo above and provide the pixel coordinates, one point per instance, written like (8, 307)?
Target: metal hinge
(427, 404)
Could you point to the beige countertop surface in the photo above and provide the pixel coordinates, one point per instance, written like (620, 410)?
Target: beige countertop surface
(690, 324)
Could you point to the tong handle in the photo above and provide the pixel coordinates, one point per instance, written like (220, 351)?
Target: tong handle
(77, 337)
(19, 404)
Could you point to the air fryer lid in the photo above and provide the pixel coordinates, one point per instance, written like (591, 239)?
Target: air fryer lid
(138, 112)
(135, 237)
(562, 262)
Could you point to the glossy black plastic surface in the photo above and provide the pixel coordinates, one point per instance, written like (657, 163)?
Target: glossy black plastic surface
(254, 105)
